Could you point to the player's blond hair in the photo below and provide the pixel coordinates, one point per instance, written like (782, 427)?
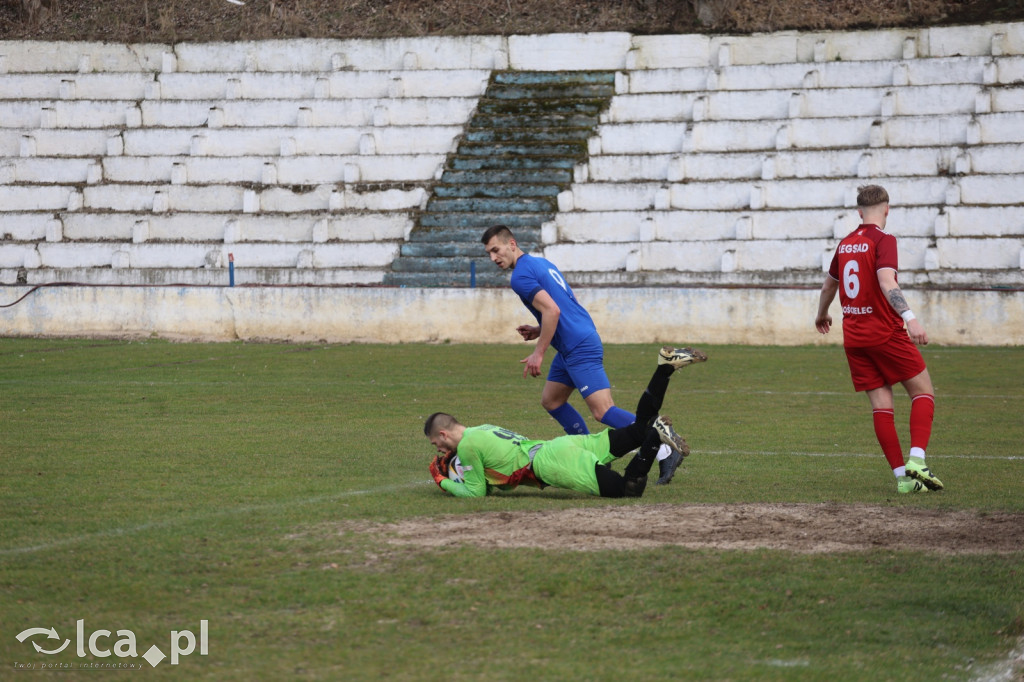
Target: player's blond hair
(871, 195)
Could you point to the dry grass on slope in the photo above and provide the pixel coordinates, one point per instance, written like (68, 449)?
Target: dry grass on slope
(217, 20)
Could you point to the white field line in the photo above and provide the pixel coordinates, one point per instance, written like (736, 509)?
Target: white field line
(939, 397)
(1007, 670)
(774, 453)
(181, 520)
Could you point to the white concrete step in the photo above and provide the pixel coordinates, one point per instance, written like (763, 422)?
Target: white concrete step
(993, 38)
(186, 169)
(998, 128)
(196, 255)
(270, 170)
(1009, 70)
(977, 70)
(700, 225)
(215, 276)
(327, 167)
(612, 227)
(49, 170)
(778, 255)
(70, 86)
(157, 198)
(752, 105)
(433, 53)
(63, 142)
(684, 225)
(305, 85)
(994, 158)
(794, 193)
(288, 141)
(85, 114)
(983, 221)
(811, 163)
(231, 228)
(992, 190)
(69, 114)
(36, 56)
(35, 197)
(222, 113)
(707, 256)
(987, 253)
(821, 133)
(238, 199)
(26, 226)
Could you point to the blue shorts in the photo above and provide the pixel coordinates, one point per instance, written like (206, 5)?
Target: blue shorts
(582, 367)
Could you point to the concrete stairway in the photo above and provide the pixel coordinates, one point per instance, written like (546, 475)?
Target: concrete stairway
(518, 153)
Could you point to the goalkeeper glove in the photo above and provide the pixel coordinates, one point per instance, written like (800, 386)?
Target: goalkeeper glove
(436, 466)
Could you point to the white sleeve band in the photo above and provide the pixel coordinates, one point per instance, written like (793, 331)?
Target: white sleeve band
(907, 315)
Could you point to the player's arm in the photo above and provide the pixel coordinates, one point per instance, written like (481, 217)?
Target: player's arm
(549, 314)
(464, 489)
(474, 480)
(528, 331)
(893, 294)
(823, 321)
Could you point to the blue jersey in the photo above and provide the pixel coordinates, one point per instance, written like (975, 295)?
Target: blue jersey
(533, 274)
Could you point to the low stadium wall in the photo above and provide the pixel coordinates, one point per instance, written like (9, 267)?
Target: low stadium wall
(476, 315)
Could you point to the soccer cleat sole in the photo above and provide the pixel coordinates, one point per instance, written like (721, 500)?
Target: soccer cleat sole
(668, 435)
(680, 357)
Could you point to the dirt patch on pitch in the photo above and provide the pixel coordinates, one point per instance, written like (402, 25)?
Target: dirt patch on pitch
(805, 528)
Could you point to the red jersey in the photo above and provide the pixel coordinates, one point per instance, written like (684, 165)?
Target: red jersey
(868, 319)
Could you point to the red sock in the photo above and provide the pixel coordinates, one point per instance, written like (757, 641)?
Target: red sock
(885, 431)
(922, 410)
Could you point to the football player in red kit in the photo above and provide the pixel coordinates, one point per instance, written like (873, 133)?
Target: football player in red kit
(880, 353)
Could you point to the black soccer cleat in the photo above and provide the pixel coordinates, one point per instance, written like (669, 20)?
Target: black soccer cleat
(667, 467)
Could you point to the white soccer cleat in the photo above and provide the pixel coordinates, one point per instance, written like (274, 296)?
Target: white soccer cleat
(668, 435)
(680, 357)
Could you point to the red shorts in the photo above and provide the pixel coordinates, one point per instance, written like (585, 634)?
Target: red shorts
(876, 366)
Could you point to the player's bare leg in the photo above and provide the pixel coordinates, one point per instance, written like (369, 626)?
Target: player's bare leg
(555, 399)
(600, 402)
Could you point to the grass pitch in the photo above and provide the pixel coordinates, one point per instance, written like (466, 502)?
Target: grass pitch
(148, 486)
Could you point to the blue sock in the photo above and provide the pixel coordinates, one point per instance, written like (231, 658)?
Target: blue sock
(566, 415)
(617, 418)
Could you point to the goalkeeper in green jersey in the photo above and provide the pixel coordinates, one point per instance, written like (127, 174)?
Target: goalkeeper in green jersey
(473, 461)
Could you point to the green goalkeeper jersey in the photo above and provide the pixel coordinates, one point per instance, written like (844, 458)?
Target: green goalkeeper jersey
(492, 457)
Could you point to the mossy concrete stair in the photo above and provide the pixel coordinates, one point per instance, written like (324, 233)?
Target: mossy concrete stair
(518, 152)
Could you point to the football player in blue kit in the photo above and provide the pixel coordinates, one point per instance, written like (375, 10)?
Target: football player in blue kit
(566, 326)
